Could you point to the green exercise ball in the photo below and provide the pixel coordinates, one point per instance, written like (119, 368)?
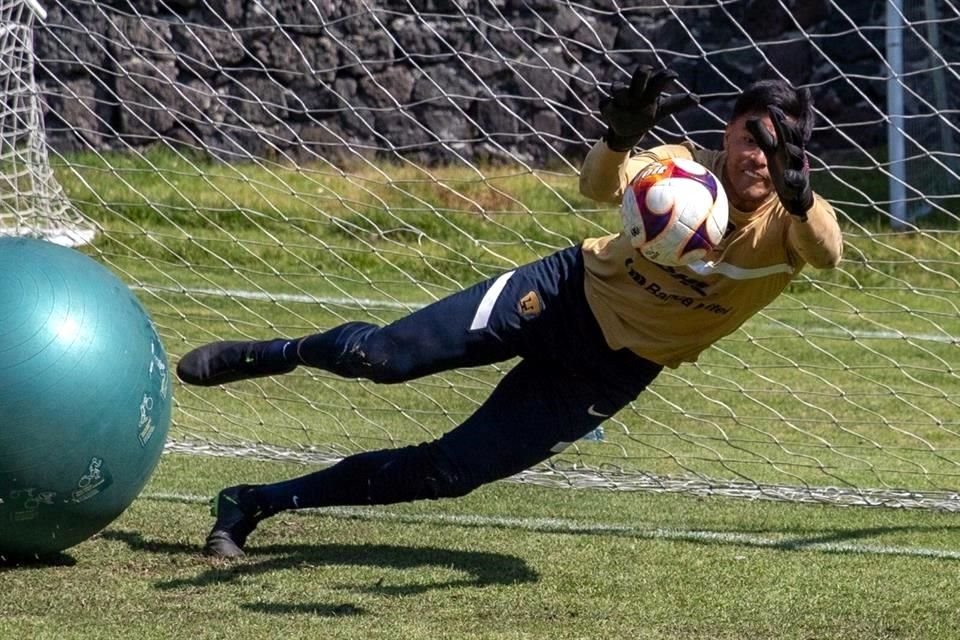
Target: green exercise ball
(85, 397)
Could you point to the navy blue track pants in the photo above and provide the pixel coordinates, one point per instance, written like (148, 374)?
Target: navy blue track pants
(567, 381)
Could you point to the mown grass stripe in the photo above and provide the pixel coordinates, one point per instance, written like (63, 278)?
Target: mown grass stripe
(566, 526)
(370, 303)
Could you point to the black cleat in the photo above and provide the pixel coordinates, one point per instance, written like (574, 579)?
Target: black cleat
(222, 362)
(237, 515)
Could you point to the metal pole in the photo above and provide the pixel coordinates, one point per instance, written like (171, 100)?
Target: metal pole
(895, 143)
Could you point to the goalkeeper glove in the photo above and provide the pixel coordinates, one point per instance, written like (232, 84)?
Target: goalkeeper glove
(630, 112)
(786, 162)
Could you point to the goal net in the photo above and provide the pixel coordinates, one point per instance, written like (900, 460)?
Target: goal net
(266, 168)
(31, 202)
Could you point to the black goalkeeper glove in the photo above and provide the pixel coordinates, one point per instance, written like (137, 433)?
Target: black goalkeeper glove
(786, 162)
(630, 112)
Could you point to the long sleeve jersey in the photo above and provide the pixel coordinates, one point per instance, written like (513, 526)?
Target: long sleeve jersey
(669, 315)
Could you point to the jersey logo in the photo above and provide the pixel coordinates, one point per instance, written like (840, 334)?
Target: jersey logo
(698, 286)
(593, 412)
(692, 283)
(530, 305)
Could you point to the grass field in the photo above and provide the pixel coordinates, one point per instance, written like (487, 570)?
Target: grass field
(848, 380)
(509, 561)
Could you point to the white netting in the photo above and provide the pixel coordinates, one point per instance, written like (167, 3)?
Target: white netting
(31, 202)
(274, 168)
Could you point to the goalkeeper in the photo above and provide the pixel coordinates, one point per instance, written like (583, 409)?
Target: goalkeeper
(592, 324)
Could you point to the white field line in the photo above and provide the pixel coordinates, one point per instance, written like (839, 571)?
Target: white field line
(370, 303)
(565, 526)
(261, 296)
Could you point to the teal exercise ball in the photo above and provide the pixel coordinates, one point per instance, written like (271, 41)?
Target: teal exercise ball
(85, 397)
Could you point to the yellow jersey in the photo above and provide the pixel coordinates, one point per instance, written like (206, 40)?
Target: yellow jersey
(669, 315)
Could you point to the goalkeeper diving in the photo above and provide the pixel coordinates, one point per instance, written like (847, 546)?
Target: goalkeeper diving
(589, 332)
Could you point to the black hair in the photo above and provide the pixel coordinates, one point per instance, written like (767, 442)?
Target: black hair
(795, 103)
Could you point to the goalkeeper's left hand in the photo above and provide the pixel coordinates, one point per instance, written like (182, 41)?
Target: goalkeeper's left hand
(786, 161)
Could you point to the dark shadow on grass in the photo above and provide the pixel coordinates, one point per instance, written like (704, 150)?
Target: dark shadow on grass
(481, 568)
(322, 610)
(836, 542)
(839, 536)
(44, 561)
(853, 540)
(861, 535)
(824, 540)
(137, 542)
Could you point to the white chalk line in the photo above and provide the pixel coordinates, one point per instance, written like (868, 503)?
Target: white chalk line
(574, 527)
(371, 303)
(261, 296)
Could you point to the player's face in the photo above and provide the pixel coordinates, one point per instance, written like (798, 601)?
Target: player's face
(745, 175)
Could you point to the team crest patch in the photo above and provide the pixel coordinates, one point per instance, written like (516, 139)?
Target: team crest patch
(530, 305)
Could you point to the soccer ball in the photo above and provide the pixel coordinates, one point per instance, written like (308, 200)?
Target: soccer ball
(675, 211)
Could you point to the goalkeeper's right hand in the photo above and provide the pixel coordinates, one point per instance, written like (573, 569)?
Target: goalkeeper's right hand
(630, 112)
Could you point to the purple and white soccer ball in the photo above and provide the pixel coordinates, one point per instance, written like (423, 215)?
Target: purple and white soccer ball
(675, 211)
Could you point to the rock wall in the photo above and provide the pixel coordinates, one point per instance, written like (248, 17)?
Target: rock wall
(441, 80)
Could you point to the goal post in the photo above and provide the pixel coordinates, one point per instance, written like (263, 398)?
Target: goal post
(256, 169)
(31, 201)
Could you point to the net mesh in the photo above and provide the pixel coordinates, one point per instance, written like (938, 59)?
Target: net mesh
(270, 168)
(31, 201)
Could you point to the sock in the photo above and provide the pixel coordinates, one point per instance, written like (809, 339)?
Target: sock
(345, 483)
(279, 351)
(326, 350)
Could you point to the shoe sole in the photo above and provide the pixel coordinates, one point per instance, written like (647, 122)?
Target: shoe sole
(220, 545)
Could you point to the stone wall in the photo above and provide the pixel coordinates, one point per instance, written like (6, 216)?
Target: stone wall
(508, 79)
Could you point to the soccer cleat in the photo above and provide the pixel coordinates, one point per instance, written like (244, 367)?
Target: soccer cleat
(222, 362)
(237, 514)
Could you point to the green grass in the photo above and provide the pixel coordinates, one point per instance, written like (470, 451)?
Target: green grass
(813, 391)
(508, 561)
